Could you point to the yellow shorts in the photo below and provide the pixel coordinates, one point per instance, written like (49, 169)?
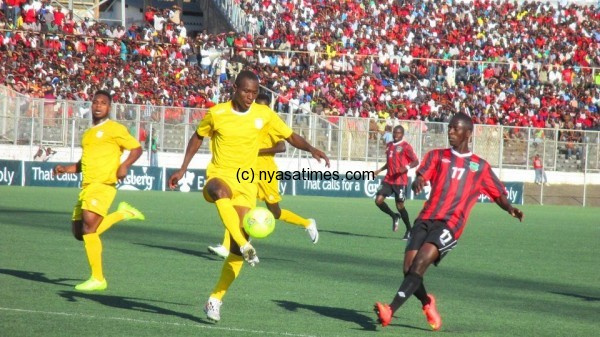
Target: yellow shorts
(243, 194)
(269, 191)
(95, 198)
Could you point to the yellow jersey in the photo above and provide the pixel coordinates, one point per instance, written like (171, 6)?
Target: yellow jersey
(236, 136)
(103, 145)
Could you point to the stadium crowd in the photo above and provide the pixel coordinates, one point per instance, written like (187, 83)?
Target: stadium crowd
(528, 64)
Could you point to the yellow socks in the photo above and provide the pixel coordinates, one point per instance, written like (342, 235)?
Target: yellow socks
(226, 240)
(293, 218)
(109, 220)
(231, 220)
(231, 269)
(93, 249)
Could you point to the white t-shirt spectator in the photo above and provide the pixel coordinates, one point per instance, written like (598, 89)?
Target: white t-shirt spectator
(182, 30)
(159, 23)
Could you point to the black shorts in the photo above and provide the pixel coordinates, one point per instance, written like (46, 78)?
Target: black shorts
(432, 231)
(386, 189)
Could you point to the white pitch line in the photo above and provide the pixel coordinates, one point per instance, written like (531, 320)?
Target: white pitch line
(210, 327)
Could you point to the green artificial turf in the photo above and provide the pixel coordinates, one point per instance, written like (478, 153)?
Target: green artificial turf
(505, 278)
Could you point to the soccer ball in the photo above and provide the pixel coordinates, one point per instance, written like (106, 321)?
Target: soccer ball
(259, 222)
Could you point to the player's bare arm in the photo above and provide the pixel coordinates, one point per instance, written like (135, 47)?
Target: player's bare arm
(192, 148)
(505, 204)
(383, 168)
(412, 164)
(62, 169)
(418, 184)
(134, 154)
(277, 148)
(299, 142)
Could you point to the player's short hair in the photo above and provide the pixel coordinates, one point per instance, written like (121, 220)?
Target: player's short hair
(398, 127)
(104, 93)
(263, 98)
(245, 75)
(466, 120)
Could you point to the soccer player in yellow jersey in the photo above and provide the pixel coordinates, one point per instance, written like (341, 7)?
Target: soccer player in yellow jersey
(268, 191)
(101, 166)
(235, 129)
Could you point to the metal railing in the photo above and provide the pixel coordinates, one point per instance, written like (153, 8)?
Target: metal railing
(27, 121)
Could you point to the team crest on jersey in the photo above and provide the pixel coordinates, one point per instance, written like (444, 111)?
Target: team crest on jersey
(474, 166)
(258, 123)
(399, 149)
(99, 134)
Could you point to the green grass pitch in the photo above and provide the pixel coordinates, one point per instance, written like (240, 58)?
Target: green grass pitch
(538, 278)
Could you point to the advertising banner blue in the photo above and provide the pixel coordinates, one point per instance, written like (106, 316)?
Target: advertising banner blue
(140, 178)
(143, 178)
(40, 174)
(341, 187)
(11, 172)
(192, 181)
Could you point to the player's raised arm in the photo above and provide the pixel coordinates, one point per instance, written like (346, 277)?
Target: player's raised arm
(299, 142)
(192, 148)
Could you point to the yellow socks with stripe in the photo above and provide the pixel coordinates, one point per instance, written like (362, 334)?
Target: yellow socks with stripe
(226, 240)
(231, 269)
(93, 249)
(231, 220)
(109, 220)
(293, 218)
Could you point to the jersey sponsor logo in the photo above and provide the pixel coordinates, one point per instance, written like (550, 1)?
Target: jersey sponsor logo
(445, 160)
(258, 123)
(474, 166)
(99, 134)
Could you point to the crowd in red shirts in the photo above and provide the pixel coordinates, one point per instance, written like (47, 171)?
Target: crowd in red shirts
(528, 64)
(501, 62)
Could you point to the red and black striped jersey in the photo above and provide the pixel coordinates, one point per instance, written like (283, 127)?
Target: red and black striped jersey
(457, 180)
(398, 155)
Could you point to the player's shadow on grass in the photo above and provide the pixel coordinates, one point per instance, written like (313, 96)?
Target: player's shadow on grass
(366, 323)
(205, 255)
(355, 234)
(583, 297)
(192, 252)
(128, 303)
(35, 276)
(33, 217)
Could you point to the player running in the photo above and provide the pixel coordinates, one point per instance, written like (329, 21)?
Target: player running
(457, 178)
